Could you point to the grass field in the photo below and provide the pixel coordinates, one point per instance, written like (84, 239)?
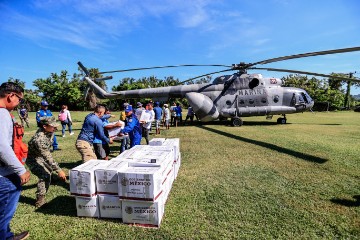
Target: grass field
(259, 181)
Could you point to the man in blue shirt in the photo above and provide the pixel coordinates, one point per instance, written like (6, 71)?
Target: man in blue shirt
(92, 126)
(24, 116)
(178, 111)
(45, 112)
(132, 127)
(102, 148)
(158, 113)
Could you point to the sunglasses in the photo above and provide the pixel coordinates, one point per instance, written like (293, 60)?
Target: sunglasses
(21, 100)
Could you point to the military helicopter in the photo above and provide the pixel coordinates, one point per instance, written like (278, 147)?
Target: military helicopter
(230, 96)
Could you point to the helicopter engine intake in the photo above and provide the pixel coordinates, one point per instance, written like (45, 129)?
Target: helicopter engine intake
(203, 106)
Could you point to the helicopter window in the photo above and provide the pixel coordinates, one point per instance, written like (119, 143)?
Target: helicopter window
(301, 99)
(254, 83)
(293, 100)
(306, 97)
(263, 100)
(251, 101)
(276, 98)
(228, 102)
(242, 101)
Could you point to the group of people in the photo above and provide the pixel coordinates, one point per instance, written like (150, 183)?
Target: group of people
(92, 143)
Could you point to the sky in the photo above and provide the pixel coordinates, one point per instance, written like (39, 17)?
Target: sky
(40, 37)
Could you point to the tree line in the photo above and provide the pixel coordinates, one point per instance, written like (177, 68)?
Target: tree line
(63, 88)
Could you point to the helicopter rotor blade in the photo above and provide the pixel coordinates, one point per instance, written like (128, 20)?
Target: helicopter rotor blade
(302, 55)
(169, 66)
(307, 73)
(103, 79)
(204, 75)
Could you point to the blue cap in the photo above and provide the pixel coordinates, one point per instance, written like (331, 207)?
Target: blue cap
(128, 108)
(44, 103)
(139, 104)
(157, 104)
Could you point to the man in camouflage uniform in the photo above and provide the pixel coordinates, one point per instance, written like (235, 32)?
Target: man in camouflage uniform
(40, 160)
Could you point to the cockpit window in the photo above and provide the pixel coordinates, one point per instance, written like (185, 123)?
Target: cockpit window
(301, 99)
(306, 97)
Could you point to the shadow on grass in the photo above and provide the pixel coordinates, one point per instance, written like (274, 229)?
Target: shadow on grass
(320, 124)
(60, 206)
(58, 182)
(227, 123)
(293, 153)
(26, 187)
(347, 202)
(70, 165)
(27, 200)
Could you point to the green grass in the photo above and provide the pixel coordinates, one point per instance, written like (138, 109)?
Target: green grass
(258, 181)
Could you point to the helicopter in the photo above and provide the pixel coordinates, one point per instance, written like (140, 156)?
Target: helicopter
(230, 96)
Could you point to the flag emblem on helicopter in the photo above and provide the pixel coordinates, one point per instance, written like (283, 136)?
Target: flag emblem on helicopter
(273, 81)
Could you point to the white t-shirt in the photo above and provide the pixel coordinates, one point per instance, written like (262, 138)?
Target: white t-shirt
(167, 114)
(147, 124)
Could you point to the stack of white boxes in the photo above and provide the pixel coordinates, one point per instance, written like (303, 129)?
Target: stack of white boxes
(133, 186)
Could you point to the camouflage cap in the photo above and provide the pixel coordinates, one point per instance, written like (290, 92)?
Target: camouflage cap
(49, 121)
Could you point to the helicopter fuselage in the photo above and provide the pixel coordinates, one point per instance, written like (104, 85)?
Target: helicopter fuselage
(247, 95)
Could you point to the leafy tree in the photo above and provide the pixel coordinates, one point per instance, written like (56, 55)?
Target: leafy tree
(17, 81)
(58, 90)
(321, 90)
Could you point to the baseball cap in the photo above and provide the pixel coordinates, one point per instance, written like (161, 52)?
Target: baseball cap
(157, 103)
(128, 108)
(44, 103)
(139, 104)
(49, 121)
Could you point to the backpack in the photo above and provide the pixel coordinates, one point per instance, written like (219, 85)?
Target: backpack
(62, 116)
(20, 148)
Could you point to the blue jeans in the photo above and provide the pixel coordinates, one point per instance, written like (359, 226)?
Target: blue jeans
(124, 143)
(55, 143)
(63, 125)
(10, 189)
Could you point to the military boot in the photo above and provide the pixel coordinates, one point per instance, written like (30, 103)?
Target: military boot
(40, 201)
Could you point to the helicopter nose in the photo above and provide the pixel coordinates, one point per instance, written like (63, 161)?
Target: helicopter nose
(310, 105)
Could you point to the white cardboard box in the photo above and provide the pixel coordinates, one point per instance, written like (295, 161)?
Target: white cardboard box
(175, 143)
(82, 178)
(142, 183)
(110, 206)
(147, 214)
(145, 116)
(106, 177)
(148, 159)
(157, 141)
(87, 206)
(139, 150)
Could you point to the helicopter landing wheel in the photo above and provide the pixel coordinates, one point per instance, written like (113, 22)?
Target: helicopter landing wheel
(281, 120)
(237, 122)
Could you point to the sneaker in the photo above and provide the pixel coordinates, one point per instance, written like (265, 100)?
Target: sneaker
(64, 135)
(72, 133)
(20, 236)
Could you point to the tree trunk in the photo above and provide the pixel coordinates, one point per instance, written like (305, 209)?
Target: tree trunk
(92, 100)
(347, 96)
